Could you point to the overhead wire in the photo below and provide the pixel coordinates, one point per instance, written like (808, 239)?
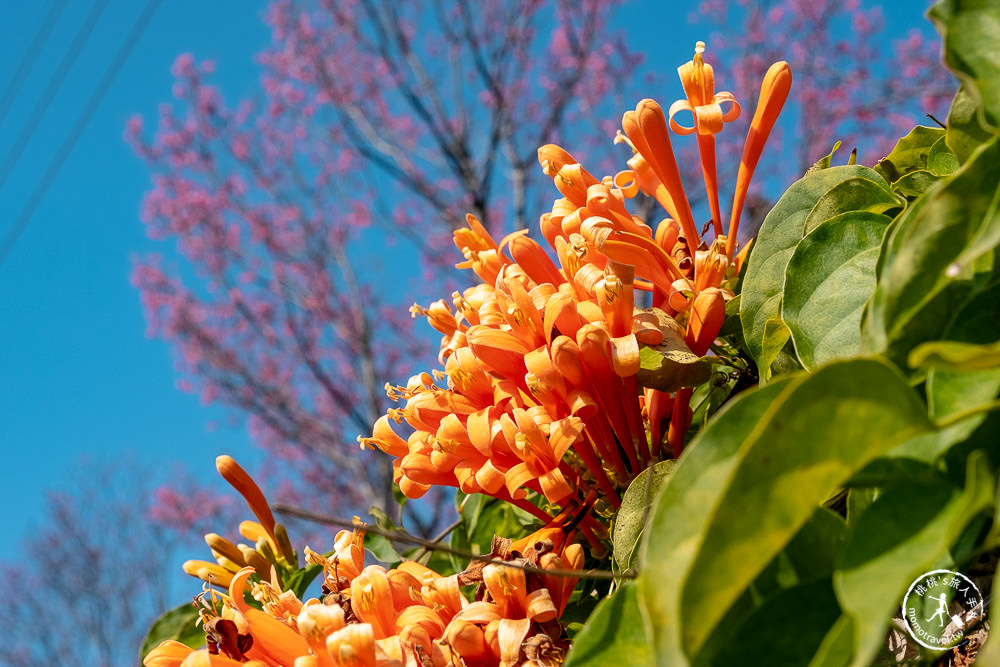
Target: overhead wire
(68, 59)
(30, 56)
(38, 194)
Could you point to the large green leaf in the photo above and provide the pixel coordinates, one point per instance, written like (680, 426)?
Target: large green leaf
(823, 429)
(903, 534)
(935, 259)
(781, 231)
(765, 465)
(634, 511)
(829, 278)
(970, 30)
(177, 624)
(613, 634)
(684, 508)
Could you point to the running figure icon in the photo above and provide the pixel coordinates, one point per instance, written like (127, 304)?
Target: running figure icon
(941, 610)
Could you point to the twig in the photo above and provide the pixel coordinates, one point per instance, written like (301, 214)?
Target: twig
(400, 536)
(443, 534)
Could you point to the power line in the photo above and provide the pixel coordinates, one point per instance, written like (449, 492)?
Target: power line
(30, 56)
(24, 136)
(78, 127)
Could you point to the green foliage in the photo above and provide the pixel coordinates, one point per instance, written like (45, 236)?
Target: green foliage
(827, 283)
(178, 624)
(784, 227)
(632, 515)
(613, 635)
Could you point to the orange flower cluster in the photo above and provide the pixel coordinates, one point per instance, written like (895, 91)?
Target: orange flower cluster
(372, 617)
(545, 391)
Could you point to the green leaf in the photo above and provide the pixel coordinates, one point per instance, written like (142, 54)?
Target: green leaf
(903, 534)
(855, 194)
(965, 131)
(298, 580)
(915, 183)
(670, 366)
(177, 624)
(614, 634)
(781, 231)
(482, 518)
(776, 336)
(634, 510)
(941, 160)
(822, 429)
(835, 649)
(786, 630)
(685, 507)
(970, 31)
(935, 259)
(749, 482)
(829, 278)
(910, 153)
(958, 381)
(956, 357)
(823, 162)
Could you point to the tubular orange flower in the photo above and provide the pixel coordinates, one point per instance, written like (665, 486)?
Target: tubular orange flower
(542, 406)
(705, 105)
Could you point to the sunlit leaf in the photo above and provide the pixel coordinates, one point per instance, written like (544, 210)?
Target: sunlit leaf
(829, 278)
(910, 153)
(726, 514)
(781, 231)
(613, 635)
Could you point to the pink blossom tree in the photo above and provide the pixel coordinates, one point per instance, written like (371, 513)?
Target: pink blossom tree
(402, 114)
(383, 121)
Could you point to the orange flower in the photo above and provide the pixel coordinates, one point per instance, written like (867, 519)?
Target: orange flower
(541, 402)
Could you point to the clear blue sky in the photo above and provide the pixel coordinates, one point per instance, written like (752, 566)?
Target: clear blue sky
(77, 372)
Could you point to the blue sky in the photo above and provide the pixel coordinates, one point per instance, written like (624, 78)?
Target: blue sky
(77, 373)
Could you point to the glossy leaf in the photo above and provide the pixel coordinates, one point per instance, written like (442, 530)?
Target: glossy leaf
(177, 624)
(855, 194)
(824, 162)
(752, 479)
(614, 634)
(685, 508)
(970, 32)
(634, 511)
(956, 357)
(814, 437)
(829, 278)
(779, 234)
(671, 365)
